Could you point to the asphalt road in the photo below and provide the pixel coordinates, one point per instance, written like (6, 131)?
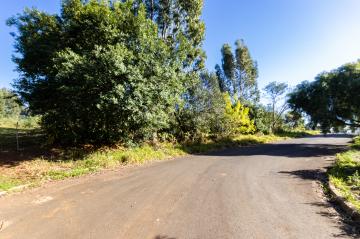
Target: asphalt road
(266, 191)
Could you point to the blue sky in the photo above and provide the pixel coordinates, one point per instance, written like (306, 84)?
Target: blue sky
(292, 40)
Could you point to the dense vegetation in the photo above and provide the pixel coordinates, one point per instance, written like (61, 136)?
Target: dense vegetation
(103, 72)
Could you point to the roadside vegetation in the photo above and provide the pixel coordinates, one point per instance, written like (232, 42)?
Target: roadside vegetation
(34, 165)
(27, 158)
(345, 175)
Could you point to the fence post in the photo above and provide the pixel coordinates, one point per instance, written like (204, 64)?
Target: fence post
(17, 136)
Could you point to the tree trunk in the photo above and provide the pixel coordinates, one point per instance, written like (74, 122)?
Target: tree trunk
(273, 117)
(152, 10)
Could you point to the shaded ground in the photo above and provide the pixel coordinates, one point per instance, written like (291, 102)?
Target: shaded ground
(30, 142)
(266, 191)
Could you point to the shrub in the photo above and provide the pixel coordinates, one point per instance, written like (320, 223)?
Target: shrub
(237, 119)
(99, 72)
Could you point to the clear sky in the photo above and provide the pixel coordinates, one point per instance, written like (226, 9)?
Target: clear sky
(292, 40)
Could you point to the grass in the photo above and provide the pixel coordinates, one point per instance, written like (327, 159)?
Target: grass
(297, 133)
(24, 122)
(27, 138)
(345, 175)
(35, 164)
(8, 183)
(241, 140)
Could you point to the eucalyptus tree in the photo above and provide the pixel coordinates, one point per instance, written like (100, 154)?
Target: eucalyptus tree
(180, 25)
(228, 67)
(238, 74)
(221, 78)
(246, 73)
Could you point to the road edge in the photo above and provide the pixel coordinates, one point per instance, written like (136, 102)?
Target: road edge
(14, 189)
(346, 206)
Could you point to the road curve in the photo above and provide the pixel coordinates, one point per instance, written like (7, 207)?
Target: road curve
(266, 191)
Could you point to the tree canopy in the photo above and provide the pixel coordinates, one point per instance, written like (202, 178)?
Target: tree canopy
(106, 71)
(179, 24)
(332, 100)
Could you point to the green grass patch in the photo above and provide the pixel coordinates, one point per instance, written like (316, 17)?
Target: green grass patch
(236, 141)
(27, 138)
(297, 133)
(111, 158)
(345, 175)
(7, 183)
(23, 122)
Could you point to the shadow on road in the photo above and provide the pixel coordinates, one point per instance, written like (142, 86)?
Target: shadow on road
(347, 226)
(9, 157)
(284, 150)
(290, 149)
(312, 175)
(328, 208)
(163, 237)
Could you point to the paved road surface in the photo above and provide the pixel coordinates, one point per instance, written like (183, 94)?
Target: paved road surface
(266, 191)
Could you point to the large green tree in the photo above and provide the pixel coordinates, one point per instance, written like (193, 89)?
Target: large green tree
(105, 71)
(332, 100)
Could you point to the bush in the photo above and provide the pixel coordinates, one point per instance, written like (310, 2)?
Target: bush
(237, 119)
(98, 73)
